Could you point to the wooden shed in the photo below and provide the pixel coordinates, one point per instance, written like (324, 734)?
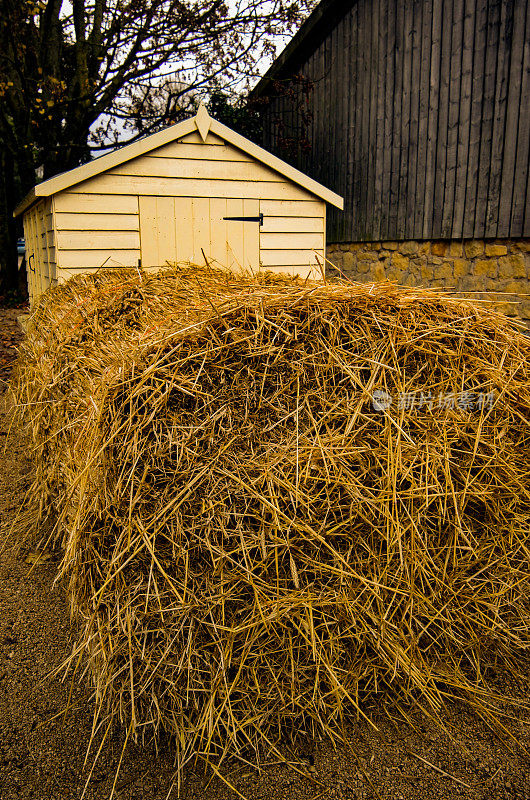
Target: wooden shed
(194, 190)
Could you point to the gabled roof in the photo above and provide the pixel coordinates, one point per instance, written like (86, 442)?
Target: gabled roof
(201, 122)
(311, 34)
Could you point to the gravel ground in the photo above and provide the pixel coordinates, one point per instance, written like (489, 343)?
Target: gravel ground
(46, 719)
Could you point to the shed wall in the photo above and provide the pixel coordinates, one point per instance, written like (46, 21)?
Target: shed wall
(99, 223)
(39, 233)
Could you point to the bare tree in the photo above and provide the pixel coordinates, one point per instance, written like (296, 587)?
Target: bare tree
(79, 76)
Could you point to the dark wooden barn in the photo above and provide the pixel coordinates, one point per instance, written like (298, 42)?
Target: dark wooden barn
(416, 111)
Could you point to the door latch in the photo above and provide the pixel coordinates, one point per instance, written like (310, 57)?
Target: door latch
(246, 219)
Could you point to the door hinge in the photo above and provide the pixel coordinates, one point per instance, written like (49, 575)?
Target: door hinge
(246, 219)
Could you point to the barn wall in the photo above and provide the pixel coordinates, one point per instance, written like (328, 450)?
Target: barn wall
(417, 113)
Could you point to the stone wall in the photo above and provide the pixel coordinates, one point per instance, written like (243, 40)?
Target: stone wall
(496, 269)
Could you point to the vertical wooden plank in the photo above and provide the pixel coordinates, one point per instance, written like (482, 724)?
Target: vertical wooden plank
(499, 119)
(404, 170)
(47, 250)
(36, 254)
(464, 121)
(390, 77)
(453, 119)
(486, 127)
(36, 260)
(32, 270)
(344, 90)
(321, 113)
(333, 123)
(29, 250)
(346, 131)
(39, 254)
(365, 208)
(526, 223)
(184, 229)
(234, 231)
(360, 156)
(513, 111)
(165, 230)
(432, 126)
(54, 239)
(357, 175)
(382, 34)
(218, 234)
(200, 211)
(372, 44)
(316, 77)
(146, 226)
(338, 98)
(423, 117)
(415, 95)
(397, 122)
(251, 232)
(523, 142)
(443, 114)
(312, 73)
(475, 122)
(157, 231)
(350, 205)
(41, 227)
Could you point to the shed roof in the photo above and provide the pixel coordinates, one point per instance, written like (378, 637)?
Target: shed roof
(201, 122)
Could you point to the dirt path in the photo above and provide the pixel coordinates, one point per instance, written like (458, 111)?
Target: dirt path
(42, 747)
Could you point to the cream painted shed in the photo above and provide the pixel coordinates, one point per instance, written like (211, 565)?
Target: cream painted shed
(195, 190)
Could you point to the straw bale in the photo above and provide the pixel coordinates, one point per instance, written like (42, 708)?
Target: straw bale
(252, 545)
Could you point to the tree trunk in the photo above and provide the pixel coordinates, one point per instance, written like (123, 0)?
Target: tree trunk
(9, 279)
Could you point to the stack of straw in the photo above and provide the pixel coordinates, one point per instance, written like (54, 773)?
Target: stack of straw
(278, 499)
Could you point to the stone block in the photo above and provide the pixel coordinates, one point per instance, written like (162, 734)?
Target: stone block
(393, 275)
(415, 265)
(348, 261)
(378, 272)
(390, 245)
(426, 272)
(424, 248)
(495, 249)
(524, 309)
(494, 285)
(461, 267)
(516, 287)
(408, 248)
(400, 262)
(445, 270)
(367, 255)
(523, 245)
(473, 248)
(509, 309)
(363, 267)
(455, 249)
(438, 248)
(485, 266)
(512, 266)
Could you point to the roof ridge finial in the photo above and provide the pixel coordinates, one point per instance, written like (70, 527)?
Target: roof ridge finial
(203, 121)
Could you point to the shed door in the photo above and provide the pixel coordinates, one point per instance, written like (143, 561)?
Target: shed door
(178, 229)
